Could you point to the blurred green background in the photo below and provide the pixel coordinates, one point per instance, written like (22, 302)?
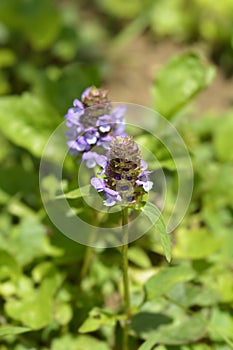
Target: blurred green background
(171, 55)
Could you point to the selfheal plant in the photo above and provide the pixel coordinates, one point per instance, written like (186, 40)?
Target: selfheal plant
(124, 178)
(93, 122)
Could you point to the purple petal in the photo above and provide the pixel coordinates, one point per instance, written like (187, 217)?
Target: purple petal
(109, 202)
(120, 130)
(105, 141)
(144, 165)
(91, 139)
(89, 155)
(104, 123)
(90, 163)
(72, 117)
(72, 144)
(104, 128)
(104, 119)
(98, 184)
(118, 112)
(101, 161)
(73, 132)
(91, 136)
(111, 192)
(147, 185)
(85, 93)
(78, 104)
(81, 144)
(111, 199)
(144, 176)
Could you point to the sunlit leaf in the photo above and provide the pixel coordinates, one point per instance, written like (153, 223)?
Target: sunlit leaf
(78, 343)
(35, 310)
(27, 241)
(29, 123)
(155, 216)
(223, 138)
(221, 325)
(166, 278)
(182, 331)
(96, 319)
(188, 243)
(80, 192)
(182, 78)
(139, 257)
(10, 330)
(8, 265)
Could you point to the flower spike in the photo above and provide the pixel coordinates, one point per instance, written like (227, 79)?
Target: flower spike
(124, 178)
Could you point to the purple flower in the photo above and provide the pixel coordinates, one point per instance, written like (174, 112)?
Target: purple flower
(92, 159)
(124, 177)
(93, 122)
(119, 120)
(98, 184)
(143, 180)
(91, 136)
(85, 93)
(112, 197)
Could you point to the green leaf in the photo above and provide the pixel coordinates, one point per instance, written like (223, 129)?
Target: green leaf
(8, 265)
(166, 278)
(187, 330)
(144, 324)
(97, 318)
(78, 343)
(223, 138)
(27, 242)
(80, 192)
(4, 84)
(121, 8)
(169, 18)
(188, 243)
(182, 78)
(7, 58)
(25, 181)
(63, 313)
(192, 295)
(155, 216)
(29, 123)
(221, 325)
(35, 310)
(10, 330)
(68, 84)
(139, 257)
(32, 19)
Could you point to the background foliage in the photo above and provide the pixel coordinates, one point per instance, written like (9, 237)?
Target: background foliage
(56, 294)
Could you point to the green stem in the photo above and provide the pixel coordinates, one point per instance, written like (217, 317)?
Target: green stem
(86, 263)
(125, 277)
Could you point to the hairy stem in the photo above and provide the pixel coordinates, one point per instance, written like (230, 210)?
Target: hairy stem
(125, 277)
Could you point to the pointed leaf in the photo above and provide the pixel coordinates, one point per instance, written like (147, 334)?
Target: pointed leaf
(182, 78)
(10, 330)
(155, 216)
(80, 192)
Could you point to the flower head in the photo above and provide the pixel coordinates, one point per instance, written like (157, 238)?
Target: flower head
(124, 176)
(92, 121)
